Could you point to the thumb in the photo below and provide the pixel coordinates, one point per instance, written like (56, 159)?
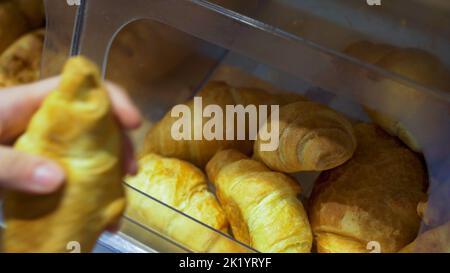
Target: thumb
(27, 173)
(18, 104)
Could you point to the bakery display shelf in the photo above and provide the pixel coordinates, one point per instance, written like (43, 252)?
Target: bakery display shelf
(299, 51)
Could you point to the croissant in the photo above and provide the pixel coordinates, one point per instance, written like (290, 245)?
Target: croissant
(414, 64)
(261, 205)
(76, 128)
(160, 141)
(312, 137)
(436, 240)
(20, 63)
(371, 198)
(183, 186)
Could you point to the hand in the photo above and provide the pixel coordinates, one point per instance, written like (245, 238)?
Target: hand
(33, 174)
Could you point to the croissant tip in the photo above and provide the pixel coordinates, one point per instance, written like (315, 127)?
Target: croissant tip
(79, 76)
(324, 153)
(82, 66)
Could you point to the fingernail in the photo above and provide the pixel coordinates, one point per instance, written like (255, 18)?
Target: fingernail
(47, 178)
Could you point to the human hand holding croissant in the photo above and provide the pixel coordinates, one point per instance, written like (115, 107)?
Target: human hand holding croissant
(33, 174)
(70, 128)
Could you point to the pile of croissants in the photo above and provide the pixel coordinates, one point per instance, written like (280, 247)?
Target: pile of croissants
(368, 197)
(371, 190)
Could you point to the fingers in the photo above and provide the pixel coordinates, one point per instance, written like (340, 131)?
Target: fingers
(123, 107)
(130, 118)
(18, 104)
(27, 173)
(40, 88)
(129, 161)
(33, 174)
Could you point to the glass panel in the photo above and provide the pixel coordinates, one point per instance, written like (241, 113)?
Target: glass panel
(60, 23)
(280, 45)
(336, 24)
(191, 235)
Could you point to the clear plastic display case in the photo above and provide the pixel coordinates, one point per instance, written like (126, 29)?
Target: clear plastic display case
(164, 51)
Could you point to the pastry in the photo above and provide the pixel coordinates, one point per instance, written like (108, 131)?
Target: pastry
(414, 64)
(20, 63)
(76, 128)
(159, 139)
(371, 198)
(182, 186)
(261, 204)
(311, 137)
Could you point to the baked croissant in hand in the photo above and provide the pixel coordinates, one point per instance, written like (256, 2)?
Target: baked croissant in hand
(159, 139)
(182, 186)
(20, 63)
(76, 128)
(261, 205)
(371, 198)
(414, 64)
(312, 137)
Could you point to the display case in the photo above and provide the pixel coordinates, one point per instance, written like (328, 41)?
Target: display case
(164, 51)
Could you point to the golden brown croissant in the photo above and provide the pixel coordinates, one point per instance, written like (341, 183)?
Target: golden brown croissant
(371, 198)
(414, 64)
(436, 240)
(159, 139)
(76, 128)
(182, 186)
(261, 205)
(20, 63)
(312, 137)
